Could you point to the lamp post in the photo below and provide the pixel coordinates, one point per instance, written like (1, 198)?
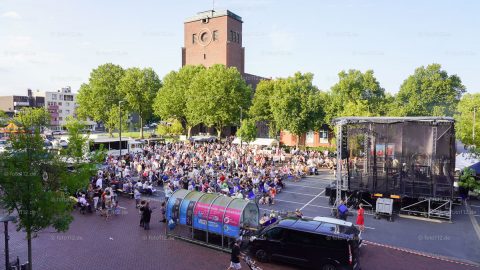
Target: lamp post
(5, 220)
(120, 127)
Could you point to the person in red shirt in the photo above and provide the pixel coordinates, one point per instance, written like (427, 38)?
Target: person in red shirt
(360, 218)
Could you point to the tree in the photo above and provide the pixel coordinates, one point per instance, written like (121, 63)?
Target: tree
(296, 104)
(355, 94)
(170, 101)
(113, 117)
(430, 91)
(260, 109)
(97, 98)
(467, 180)
(3, 118)
(34, 181)
(216, 97)
(139, 87)
(176, 127)
(464, 120)
(248, 130)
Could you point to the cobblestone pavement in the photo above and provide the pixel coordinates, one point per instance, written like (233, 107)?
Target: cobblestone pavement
(93, 243)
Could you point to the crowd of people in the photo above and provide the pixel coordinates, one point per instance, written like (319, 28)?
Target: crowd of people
(222, 167)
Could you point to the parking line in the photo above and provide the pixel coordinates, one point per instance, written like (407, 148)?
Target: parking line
(295, 185)
(283, 191)
(312, 199)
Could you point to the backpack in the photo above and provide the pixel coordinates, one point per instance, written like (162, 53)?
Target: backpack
(342, 209)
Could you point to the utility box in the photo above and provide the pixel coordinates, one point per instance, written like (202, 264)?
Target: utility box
(384, 207)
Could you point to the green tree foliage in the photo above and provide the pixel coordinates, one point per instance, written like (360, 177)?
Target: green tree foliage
(170, 101)
(248, 130)
(216, 96)
(113, 117)
(171, 127)
(464, 117)
(176, 127)
(139, 87)
(430, 91)
(468, 181)
(296, 104)
(260, 109)
(355, 94)
(3, 118)
(35, 182)
(97, 98)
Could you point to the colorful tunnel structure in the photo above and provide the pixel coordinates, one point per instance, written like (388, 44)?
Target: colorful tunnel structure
(209, 218)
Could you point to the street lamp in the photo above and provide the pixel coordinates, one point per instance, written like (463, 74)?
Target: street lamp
(120, 128)
(5, 220)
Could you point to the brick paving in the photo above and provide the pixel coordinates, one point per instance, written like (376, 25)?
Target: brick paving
(93, 243)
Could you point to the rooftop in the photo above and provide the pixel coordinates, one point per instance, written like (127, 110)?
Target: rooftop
(213, 14)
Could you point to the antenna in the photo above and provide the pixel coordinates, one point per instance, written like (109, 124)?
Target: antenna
(213, 4)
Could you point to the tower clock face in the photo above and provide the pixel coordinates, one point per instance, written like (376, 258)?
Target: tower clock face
(205, 37)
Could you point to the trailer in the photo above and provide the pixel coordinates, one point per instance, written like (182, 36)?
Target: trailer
(408, 159)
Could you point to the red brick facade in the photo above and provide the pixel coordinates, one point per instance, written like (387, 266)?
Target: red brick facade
(214, 37)
(321, 138)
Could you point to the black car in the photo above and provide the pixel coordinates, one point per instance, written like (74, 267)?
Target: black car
(319, 243)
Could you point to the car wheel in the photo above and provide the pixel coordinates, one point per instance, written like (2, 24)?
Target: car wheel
(329, 266)
(262, 255)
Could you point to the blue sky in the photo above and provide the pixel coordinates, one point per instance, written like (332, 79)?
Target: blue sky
(49, 44)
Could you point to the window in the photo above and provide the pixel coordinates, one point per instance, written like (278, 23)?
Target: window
(67, 111)
(204, 56)
(275, 233)
(67, 103)
(302, 238)
(54, 96)
(310, 137)
(194, 38)
(324, 134)
(215, 35)
(59, 111)
(59, 103)
(205, 20)
(231, 36)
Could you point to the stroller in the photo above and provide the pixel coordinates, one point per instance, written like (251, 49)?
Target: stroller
(251, 263)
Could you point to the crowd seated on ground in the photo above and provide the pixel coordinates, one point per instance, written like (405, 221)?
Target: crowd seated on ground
(219, 167)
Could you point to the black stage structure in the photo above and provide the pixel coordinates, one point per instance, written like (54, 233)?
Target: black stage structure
(408, 159)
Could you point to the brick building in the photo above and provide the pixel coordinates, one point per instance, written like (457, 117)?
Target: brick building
(322, 138)
(215, 37)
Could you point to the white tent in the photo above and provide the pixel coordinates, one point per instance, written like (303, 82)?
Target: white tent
(259, 141)
(465, 160)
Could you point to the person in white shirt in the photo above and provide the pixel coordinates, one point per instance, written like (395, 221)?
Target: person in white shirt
(99, 182)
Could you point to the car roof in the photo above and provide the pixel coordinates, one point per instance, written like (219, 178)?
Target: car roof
(315, 226)
(335, 221)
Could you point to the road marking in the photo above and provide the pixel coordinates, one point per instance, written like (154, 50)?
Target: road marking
(475, 206)
(295, 185)
(313, 199)
(283, 191)
(423, 254)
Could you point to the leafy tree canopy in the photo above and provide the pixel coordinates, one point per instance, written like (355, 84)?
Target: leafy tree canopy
(430, 91)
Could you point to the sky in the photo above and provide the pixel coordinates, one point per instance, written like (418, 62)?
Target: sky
(50, 44)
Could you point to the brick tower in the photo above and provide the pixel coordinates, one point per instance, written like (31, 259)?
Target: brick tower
(214, 37)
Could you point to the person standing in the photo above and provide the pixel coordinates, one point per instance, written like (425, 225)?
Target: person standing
(235, 256)
(360, 218)
(146, 215)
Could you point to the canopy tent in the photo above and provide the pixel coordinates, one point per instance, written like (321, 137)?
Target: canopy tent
(464, 160)
(259, 141)
(209, 218)
(10, 128)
